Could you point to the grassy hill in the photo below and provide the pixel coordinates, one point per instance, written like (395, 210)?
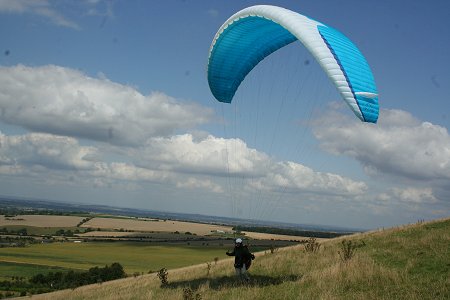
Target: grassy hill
(411, 262)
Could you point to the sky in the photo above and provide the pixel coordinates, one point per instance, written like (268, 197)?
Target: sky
(107, 102)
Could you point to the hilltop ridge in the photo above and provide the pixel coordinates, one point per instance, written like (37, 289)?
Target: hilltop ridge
(406, 262)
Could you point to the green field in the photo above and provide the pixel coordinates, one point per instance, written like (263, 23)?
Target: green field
(34, 230)
(134, 257)
(9, 269)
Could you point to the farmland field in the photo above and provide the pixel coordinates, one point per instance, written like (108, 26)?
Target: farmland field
(106, 234)
(139, 245)
(36, 230)
(110, 225)
(134, 257)
(154, 225)
(10, 269)
(41, 221)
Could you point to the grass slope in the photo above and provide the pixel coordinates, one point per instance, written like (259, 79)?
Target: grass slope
(412, 262)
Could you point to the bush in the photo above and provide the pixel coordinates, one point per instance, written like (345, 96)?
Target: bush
(188, 294)
(162, 275)
(312, 245)
(348, 249)
(273, 249)
(208, 268)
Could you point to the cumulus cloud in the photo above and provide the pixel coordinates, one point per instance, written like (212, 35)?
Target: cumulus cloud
(414, 195)
(126, 173)
(183, 161)
(67, 102)
(291, 176)
(41, 8)
(407, 195)
(62, 159)
(399, 145)
(193, 183)
(58, 159)
(214, 156)
(206, 155)
(45, 150)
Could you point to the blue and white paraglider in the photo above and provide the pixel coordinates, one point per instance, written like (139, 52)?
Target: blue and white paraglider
(255, 32)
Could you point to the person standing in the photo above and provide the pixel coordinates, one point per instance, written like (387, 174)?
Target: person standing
(242, 259)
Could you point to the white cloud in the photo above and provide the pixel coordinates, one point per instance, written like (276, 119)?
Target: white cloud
(415, 195)
(46, 151)
(129, 172)
(399, 145)
(295, 177)
(206, 155)
(41, 8)
(220, 157)
(193, 183)
(62, 160)
(383, 197)
(67, 102)
(181, 161)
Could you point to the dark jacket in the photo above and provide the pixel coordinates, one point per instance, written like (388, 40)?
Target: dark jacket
(241, 256)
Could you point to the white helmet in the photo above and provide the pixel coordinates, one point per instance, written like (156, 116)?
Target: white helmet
(239, 241)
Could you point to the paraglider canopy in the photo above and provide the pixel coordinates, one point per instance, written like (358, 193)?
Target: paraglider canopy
(255, 32)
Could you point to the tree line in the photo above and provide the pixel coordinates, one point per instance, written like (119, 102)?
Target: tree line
(294, 232)
(43, 283)
(11, 212)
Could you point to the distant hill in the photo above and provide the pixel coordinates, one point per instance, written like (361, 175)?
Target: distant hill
(10, 204)
(409, 262)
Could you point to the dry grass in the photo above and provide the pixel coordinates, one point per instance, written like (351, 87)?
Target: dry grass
(162, 226)
(141, 287)
(41, 221)
(390, 266)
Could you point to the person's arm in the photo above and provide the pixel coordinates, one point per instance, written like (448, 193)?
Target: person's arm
(230, 253)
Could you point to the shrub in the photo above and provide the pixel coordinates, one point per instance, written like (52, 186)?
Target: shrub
(188, 294)
(208, 268)
(348, 249)
(273, 249)
(162, 275)
(312, 245)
